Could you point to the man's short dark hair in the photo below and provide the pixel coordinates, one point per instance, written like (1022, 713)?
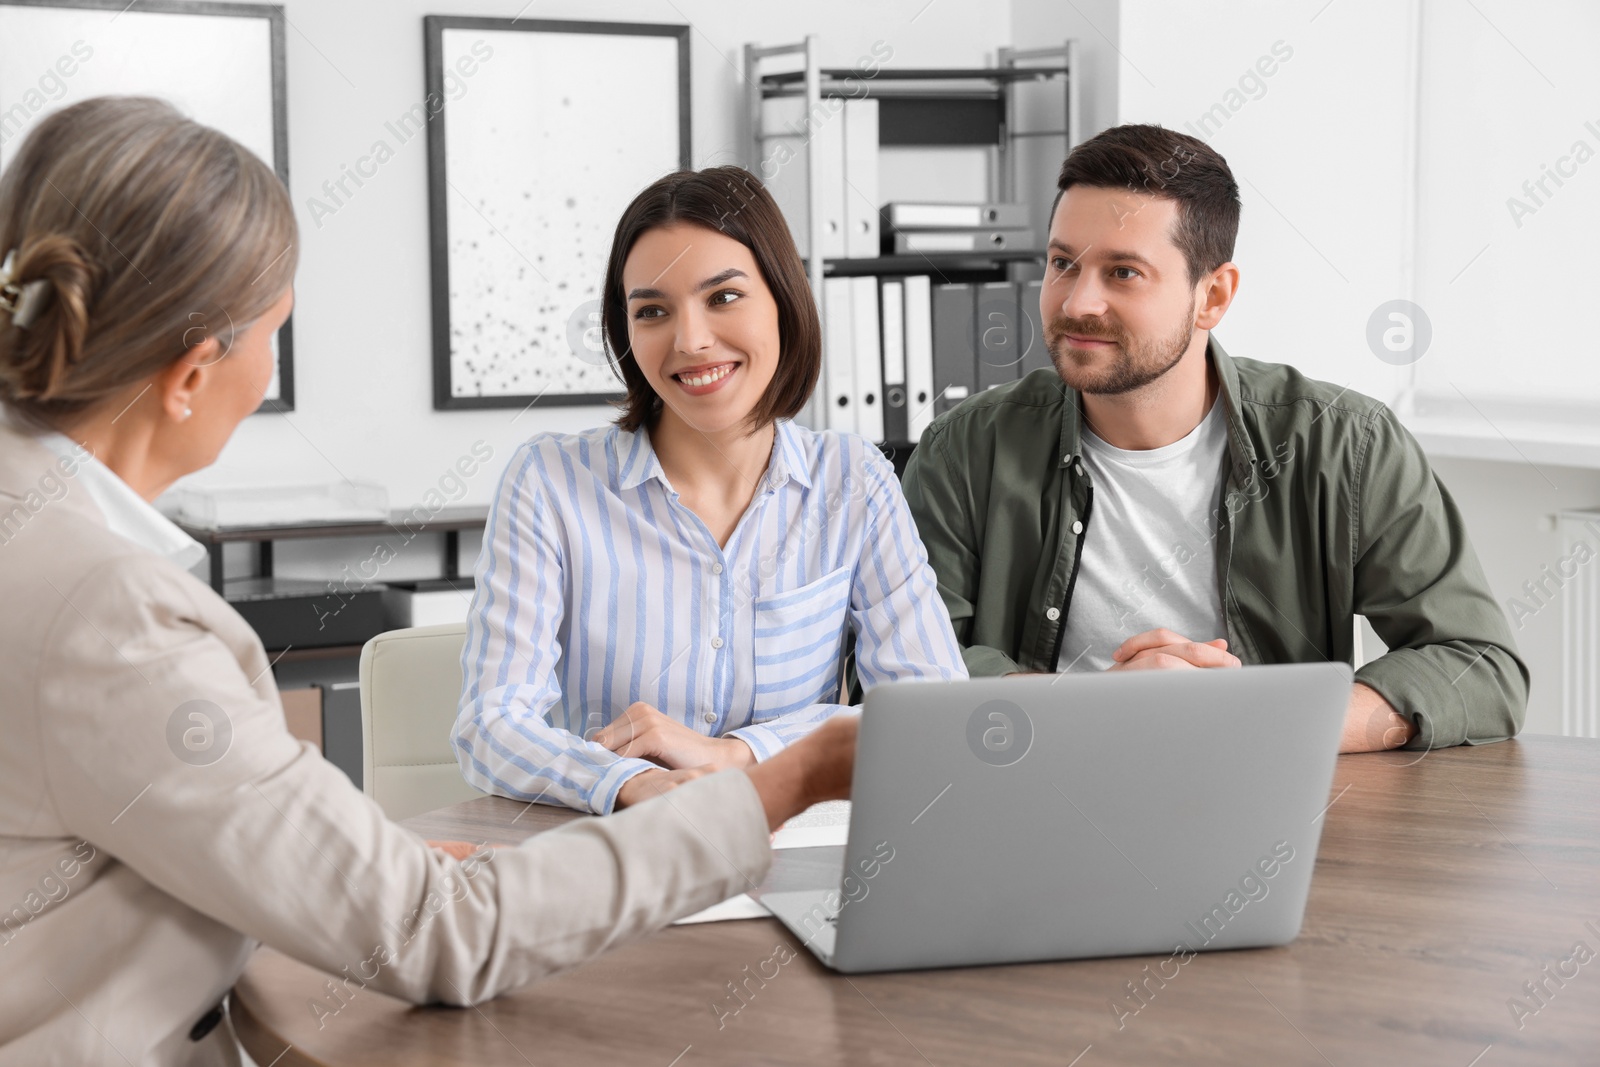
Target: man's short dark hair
(733, 202)
(1162, 162)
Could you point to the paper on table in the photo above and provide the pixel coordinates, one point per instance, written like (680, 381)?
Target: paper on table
(822, 824)
(742, 906)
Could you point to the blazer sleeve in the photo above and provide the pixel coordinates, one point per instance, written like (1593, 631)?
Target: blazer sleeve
(1452, 665)
(163, 752)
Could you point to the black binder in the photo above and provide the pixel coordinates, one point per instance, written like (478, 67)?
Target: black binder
(955, 366)
(997, 339)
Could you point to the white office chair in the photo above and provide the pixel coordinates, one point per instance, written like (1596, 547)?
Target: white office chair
(410, 686)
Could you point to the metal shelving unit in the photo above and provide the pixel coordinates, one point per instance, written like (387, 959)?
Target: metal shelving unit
(935, 106)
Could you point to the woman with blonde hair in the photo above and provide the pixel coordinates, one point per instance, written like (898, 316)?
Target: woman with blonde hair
(157, 820)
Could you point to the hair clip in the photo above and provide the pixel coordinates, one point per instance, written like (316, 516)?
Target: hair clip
(22, 302)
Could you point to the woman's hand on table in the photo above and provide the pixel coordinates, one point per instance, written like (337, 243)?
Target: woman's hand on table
(816, 768)
(643, 732)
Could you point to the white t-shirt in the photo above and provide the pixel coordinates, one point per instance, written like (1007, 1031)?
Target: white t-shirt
(1150, 546)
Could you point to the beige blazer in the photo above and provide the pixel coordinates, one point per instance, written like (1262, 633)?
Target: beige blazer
(144, 851)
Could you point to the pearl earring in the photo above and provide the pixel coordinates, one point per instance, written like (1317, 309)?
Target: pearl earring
(187, 412)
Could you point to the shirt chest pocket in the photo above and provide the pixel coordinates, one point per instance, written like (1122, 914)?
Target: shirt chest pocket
(798, 637)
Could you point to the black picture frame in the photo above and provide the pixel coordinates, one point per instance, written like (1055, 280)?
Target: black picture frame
(439, 186)
(276, 22)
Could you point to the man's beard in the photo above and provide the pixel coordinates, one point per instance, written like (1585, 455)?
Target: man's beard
(1122, 369)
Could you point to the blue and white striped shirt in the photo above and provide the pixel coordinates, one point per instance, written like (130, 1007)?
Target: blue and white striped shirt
(596, 588)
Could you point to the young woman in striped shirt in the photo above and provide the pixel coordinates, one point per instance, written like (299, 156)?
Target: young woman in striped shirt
(671, 595)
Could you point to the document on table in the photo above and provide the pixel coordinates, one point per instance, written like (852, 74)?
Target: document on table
(820, 825)
(743, 906)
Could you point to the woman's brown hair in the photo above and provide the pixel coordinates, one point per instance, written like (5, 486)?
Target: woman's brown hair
(153, 233)
(733, 202)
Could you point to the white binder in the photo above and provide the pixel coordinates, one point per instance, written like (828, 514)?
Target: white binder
(838, 355)
(919, 354)
(788, 135)
(868, 358)
(861, 210)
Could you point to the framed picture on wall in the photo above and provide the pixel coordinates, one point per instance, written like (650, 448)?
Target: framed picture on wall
(539, 134)
(220, 64)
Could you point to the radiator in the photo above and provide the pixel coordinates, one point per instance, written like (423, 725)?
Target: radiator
(1580, 629)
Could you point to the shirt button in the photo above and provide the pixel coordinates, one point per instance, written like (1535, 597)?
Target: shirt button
(1067, 458)
(1079, 469)
(1052, 614)
(716, 568)
(716, 642)
(1077, 527)
(711, 716)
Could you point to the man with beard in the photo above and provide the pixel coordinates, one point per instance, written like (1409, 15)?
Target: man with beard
(1153, 502)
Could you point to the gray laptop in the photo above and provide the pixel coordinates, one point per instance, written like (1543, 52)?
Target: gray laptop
(1047, 818)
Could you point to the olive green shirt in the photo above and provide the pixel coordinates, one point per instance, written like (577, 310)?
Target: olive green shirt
(1330, 510)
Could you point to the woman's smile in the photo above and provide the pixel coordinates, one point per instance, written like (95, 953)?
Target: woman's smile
(706, 378)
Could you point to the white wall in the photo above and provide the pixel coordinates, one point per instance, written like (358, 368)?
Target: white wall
(1510, 179)
(1318, 148)
(363, 359)
(1509, 511)
(1509, 183)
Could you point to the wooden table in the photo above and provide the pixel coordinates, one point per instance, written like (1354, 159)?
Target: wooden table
(1443, 884)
